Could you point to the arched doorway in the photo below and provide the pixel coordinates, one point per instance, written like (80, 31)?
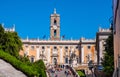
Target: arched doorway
(55, 33)
(32, 59)
(55, 61)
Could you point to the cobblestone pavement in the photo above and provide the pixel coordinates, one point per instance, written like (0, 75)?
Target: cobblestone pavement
(7, 70)
(60, 74)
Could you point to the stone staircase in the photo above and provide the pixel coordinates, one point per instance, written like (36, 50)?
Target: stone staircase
(7, 70)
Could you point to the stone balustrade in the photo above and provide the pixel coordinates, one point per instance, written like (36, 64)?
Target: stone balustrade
(50, 41)
(104, 30)
(87, 40)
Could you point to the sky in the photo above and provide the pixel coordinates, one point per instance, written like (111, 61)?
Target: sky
(78, 18)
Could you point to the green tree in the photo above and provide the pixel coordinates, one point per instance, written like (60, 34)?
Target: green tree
(10, 42)
(108, 59)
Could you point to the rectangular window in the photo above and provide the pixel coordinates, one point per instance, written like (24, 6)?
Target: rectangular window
(32, 59)
(37, 46)
(43, 50)
(26, 46)
(55, 48)
(76, 47)
(66, 47)
(66, 60)
(43, 47)
(32, 47)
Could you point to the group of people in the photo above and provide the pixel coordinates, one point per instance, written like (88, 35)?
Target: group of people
(60, 71)
(68, 73)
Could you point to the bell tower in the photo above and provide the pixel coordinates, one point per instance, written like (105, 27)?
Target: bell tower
(55, 26)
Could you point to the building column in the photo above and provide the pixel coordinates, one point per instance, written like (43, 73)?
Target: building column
(82, 55)
(28, 51)
(37, 53)
(100, 51)
(61, 56)
(48, 55)
(95, 56)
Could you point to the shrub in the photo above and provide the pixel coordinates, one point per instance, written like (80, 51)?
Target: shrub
(81, 74)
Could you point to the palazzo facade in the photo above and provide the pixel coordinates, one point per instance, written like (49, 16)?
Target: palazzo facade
(57, 50)
(61, 51)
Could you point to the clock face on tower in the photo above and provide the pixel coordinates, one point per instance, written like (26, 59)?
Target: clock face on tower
(55, 27)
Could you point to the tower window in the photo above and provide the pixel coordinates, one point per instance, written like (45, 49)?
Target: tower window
(55, 33)
(55, 22)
